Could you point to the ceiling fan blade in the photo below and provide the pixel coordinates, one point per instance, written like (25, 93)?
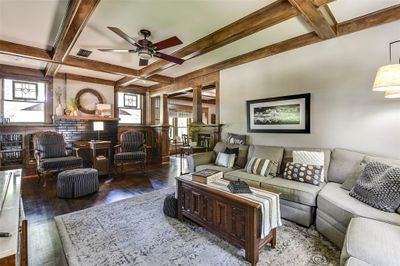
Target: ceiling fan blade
(170, 58)
(124, 36)
(166, 43)
(143, 62)
(117, 50)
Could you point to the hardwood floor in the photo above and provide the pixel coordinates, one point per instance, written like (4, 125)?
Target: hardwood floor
(41, 205)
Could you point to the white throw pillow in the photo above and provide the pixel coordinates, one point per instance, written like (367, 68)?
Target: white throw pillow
(310, 158)
(225, 160)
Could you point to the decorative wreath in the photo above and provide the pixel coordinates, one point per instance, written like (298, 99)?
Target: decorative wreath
(91, 91)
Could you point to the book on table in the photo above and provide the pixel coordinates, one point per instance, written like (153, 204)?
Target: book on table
(206, 176)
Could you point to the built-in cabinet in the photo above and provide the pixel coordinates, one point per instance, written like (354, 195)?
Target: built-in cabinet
(13, 249)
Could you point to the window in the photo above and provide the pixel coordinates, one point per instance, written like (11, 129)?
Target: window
(182, 126)
(130, 108)
(24, 101)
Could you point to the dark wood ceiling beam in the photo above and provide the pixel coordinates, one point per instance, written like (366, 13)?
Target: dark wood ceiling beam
(319, 3)
(20, 71)
(85, 79)
(377, 18)
(380, 17)
(189, 99)
(78, 14)
(132, 89)
(25, 51)
(314, 18)
(125, 81)
(263, 18)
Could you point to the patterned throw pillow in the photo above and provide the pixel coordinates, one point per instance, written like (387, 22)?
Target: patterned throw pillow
(232, 138)
(378, 186)
(303, 173)
(309, 158)
(225, 160)
(258, 166)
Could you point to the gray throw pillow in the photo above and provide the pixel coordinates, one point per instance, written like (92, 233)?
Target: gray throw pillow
(379, 186)
(351, 180)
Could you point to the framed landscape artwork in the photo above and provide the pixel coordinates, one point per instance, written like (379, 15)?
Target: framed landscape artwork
(287, 114)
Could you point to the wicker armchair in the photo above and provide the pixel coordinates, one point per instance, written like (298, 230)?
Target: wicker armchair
(51, 154)
(131, 150)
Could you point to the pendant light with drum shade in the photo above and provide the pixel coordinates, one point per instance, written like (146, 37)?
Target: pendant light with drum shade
(388, 77)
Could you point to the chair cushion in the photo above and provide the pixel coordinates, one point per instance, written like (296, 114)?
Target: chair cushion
(293, 191)
(344, 164)
(129, 156)
(213, 167)
(271, 153)
(50, 144)
(373, 242)
(251, 179)
(337, 203)
(51, 164)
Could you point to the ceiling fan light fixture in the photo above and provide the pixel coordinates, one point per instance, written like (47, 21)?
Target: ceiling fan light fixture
(145, 54)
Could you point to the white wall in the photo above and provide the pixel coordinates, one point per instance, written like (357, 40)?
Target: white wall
(339, 74)
(73, 87)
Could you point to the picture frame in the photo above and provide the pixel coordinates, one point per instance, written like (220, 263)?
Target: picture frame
(285, 114)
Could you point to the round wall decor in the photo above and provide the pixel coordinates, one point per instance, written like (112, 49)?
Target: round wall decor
(83, 107)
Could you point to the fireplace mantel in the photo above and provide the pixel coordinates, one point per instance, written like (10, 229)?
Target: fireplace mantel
(85, 118)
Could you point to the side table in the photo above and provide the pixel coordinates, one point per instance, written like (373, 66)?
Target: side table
(100, 154)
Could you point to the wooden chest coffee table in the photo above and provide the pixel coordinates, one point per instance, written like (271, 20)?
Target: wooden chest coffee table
(227, 215)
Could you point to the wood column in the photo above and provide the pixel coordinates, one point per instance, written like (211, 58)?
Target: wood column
(197, 106)
(164, 110)
(148, 108)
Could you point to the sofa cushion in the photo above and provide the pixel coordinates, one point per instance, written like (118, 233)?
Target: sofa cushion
(337, 203)
(392, 162)
(288, 157)
(258, 166)
(241, 159)
(225, 160)
(344, 164)
(271, 153)
(373, 242)
(304, 173)
(130, 156)
(356, 262)
(251, 179)
(293, 191)
(213, 167)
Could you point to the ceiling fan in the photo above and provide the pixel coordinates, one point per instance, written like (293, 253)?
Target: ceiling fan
(145, 48)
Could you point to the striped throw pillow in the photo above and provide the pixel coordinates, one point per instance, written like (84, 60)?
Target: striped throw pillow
(225, 160)
(258, 166)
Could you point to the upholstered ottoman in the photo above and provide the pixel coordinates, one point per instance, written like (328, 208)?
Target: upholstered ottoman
(77, 182)
(170, 207)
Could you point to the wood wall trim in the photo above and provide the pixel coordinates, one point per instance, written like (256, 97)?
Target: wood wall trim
(6, 70)
(314, 18)
(187, 99)
(78, 15)
(132, 89)
(268, 16)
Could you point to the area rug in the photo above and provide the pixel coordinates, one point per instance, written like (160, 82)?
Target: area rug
(135, 231)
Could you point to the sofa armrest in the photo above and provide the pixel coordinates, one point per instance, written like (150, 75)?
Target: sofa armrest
(200, 159)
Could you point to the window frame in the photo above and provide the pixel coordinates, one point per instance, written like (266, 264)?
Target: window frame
(22, 98)
(123, 106)
(48, 96)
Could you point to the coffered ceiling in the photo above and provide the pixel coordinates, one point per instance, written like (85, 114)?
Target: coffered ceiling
(37, 23)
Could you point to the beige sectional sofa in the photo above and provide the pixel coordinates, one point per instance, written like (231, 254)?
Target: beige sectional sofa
(328, 205)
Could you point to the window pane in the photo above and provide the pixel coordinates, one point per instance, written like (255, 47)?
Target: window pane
(24, 111)
(123, 100)
(128, 115)
(182, 122)
(182, 130)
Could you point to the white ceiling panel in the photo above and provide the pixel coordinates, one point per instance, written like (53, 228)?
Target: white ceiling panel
(88, 73)
(280, 32)
(31, 22)
(348, 9)
(188, 20)
(21, 62)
